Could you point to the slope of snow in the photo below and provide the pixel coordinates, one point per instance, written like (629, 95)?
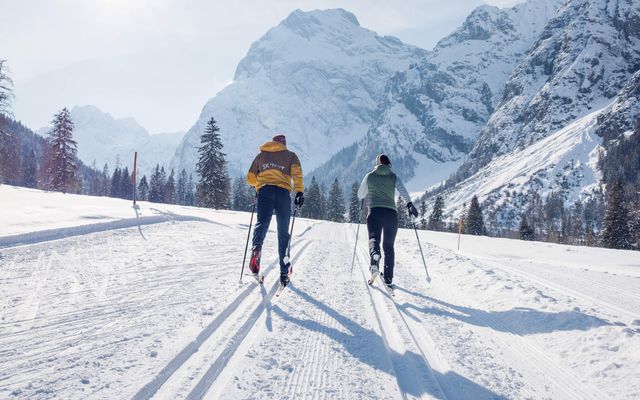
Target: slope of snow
(107, 140)
(316, 77)
(155, 311)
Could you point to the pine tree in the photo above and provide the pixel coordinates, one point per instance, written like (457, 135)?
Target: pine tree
(616, 234)
(214, 185)
(243, 195)
(312, 207)
(423, 215)
(181, 188)
(190, 197)
(474, 223)
(62, 168)
(6, 89)
(526, 232)
(126, 184)
(354, 204)
(335, 203)
(170, 189)
(116, 183)
(30, 170)
(143, 189)
(403, 214)
(435, 218)
(156, 186)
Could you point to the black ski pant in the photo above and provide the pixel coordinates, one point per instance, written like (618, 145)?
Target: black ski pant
(383, 222)
(270, 199)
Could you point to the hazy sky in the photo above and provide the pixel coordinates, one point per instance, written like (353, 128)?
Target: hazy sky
(159, 61)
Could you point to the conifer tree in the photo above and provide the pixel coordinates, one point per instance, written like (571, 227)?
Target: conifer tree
(335, 203)
(181, 188)
(143, 189)
(243, 195)
(214, 185)
(474, 223)
(354, 204)
(30, 170)
(126, 184)
(156, 186)
(116, 183)
(403, 213)
(323, 202)
(190, 197)
(170, 189)
(423, 215)
(62, 168)
(312, 207)
(435, 218)
(526, 231)
(6, 89)
(104, 181)
(616, 234)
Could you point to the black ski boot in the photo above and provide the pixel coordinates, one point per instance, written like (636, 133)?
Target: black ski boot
(284, 280)
(254, 265)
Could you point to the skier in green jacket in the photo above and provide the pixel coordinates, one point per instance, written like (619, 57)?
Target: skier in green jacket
(379, 187)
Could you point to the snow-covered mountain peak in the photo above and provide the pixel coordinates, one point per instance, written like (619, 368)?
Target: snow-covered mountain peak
(317, 77)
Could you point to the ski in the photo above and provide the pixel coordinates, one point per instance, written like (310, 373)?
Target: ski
(280, 290)
(390, 289)
(374, 275)
(259, 278)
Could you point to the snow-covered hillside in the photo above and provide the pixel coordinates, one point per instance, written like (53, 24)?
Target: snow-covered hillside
(316, 77)
(149, 306)
(105, 139)
(432, 113)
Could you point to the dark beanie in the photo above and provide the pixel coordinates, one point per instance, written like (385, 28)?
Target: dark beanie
(280, 139)
(383, 159)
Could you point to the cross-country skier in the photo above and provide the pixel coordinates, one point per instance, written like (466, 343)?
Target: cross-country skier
(271, 174)
(379, 187)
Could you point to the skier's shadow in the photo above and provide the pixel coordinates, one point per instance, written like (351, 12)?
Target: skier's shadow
(368, 347)
(520, 320)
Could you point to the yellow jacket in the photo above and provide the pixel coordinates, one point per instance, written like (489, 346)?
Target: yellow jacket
(277, 166)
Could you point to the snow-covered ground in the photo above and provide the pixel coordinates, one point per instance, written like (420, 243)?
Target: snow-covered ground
(152, 308)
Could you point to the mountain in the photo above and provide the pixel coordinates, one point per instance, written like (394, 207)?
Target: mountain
(577, 86)
(107, 140)
(431, 114)
(580, 62)
(316, 77)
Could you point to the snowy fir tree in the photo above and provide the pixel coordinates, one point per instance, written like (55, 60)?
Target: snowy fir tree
(616, 233)
(243, 195)
(170, 189)
(335, 203)
(62, 167)
(116, 183)
(213, 189)
(474, 222)
(526, 232)
(30, 170)
(423, 215)
(354, 204)
(143, 189)
(6, 89)
(403, 214)
(190, 196)
(435, 218)
(126, 184)
(181, 188)
(156, 186)
(312, 207)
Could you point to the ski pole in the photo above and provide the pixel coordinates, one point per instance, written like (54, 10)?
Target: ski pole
(244, 259)
(355, 247)
(421, 253)
(287, 258)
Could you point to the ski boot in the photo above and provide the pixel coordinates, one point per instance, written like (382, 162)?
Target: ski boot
(375, 270)
(284, 280)
(254, 264)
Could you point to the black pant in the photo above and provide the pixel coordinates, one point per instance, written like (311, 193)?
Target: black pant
(272, 198)
(382, 220)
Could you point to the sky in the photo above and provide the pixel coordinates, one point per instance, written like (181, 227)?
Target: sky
(160, 61)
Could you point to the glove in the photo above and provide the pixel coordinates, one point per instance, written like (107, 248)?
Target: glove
(299, 200)
(412, 210)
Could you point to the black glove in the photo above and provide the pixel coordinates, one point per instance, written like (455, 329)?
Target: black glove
(412, 210)
(299, 200)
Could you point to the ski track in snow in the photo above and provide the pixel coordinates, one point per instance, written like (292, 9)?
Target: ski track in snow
(158, 313)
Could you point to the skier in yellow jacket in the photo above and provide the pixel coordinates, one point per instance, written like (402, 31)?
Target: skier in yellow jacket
(271, 173)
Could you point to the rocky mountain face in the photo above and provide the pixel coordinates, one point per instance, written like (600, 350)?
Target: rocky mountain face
(107, 140)
(430, 115)
(581, 61)
(317, 77)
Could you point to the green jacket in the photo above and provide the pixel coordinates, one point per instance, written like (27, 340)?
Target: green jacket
(379, 188)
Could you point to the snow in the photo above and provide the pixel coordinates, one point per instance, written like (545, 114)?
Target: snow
(156, 311)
